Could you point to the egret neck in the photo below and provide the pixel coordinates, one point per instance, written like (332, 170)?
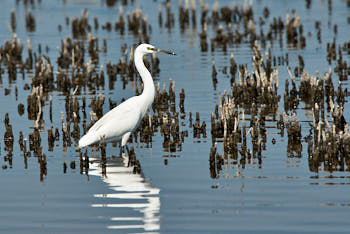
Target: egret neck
(147, 95)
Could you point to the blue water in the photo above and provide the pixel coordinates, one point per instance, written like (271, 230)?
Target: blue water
(175, 192)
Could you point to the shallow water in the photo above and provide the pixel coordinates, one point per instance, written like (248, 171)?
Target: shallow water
(175, 192)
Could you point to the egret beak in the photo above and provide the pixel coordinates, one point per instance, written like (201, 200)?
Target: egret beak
(165, 52)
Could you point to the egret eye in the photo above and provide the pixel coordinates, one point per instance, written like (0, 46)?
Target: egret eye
(150, 48)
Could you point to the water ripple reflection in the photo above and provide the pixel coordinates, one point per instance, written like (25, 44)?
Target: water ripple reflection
(129, 191)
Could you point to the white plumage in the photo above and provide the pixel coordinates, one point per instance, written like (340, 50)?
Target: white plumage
(121, 121)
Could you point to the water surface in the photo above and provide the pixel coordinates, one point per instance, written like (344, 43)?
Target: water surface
(175, 192)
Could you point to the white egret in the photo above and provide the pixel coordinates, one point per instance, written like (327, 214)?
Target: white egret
(121, 121)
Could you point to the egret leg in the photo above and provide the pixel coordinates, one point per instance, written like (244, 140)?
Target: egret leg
(121, 150)
(123, 143)
(125, 138)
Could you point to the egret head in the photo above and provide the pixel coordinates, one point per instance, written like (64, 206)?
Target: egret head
(150, 49)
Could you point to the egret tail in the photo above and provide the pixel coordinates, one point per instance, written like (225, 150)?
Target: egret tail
(88, 139)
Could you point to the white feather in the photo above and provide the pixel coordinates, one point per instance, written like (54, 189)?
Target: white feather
(121, 121)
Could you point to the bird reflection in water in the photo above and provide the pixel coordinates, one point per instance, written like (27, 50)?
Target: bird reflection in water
(130, 190)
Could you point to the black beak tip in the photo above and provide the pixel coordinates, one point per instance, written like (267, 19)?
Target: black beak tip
(165, 52)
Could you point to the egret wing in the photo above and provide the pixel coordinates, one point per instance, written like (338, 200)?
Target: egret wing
(119, 120)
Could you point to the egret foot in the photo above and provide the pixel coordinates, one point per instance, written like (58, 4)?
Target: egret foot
(122, 151)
